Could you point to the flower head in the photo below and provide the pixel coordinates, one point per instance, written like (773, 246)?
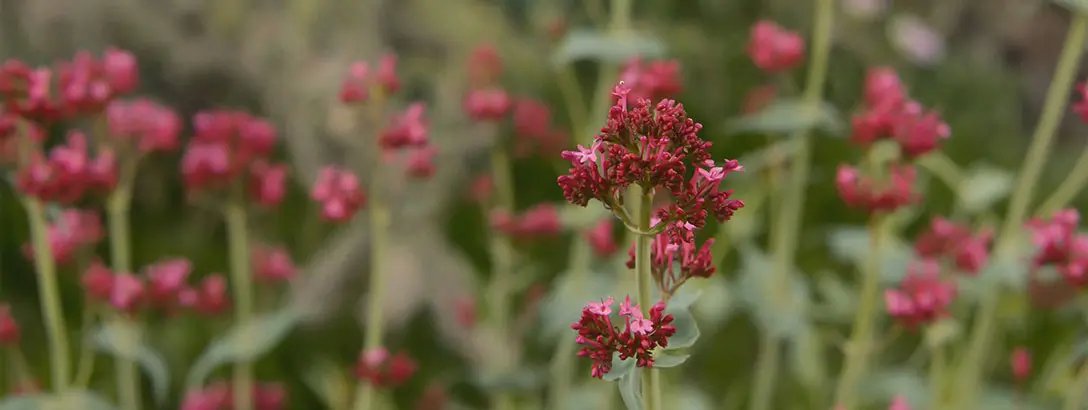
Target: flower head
(339, 192)
(379, 368)
(922, 297)
(599, 338)
(866, 193)
(600, 238)
(652, 80)
(97, 281)
(488, 104)
(1081, 106)
(9, 329)
(144, 124)
(408, 129)
(167, 280)
(72, 231)
(773, 48)
(969, 252)
(484, 66)
(267, 183)
(127, 294)
(889, 114)
(537, 222)
(226, 145)
(1058, 244)
(272, 264)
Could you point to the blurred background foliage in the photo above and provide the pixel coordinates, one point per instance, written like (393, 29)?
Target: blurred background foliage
(283, 59)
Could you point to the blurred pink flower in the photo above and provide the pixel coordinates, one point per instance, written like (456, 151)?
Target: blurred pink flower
(272, 264)
(654, 80)
(149, 126)
(1020, 363)
(127, 293)
(267, 183)
(922, 297)
(339, 193)
(484, 66)
(916, 40)
(773, 48)
(9, 329)
(408, 129)
(489, 104)
(601, 240)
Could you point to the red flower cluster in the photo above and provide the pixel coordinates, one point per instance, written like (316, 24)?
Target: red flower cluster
(1059, 245)
(72, 231)
(84, 85)
(144, 124)
(601, 240)
(69, 173)
(654, 147)
(859, 191)
(488, 104)
(666, 256)
(272, 264)
(9, 329)
(945, 238)
(534, 130)
(360, 82)
(408, 132)
(1081, 107)
(640, 336)
(379, 368)
(652, 80)
(539, 221)
(218, 396)
(922, 297)
(339, 192)
(773, 48)
(228, 145)
(484, 65)
(890, 113)
(162, 286)
(1020, 362)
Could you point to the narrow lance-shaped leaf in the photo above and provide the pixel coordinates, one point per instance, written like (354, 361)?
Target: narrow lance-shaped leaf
(124, 339)
(243, 342)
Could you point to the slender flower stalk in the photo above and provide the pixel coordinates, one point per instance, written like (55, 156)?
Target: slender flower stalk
(788, 221)
(937, 367)
(87, 356)
(502, 263)
(242, 278)
(49, 292)
(563, 359)
(982, 332)
(117, 215)
(860, 345)
(1074, 182)
(379, 224)
(651, 385)
(1074, 393)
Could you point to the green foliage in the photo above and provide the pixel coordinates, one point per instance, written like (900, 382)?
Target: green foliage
(124, 339)
(786, 116)
(610, 47)
(243, 342)
(74, 399)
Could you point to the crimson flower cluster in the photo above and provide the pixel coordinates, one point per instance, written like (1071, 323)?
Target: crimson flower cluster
(652, 80)
(666, 256)
(773, 48)
(537, 222)
(1020, 362)
(69, 172)
(339, 192)
(534, 130)
(1060, 246)
(923, 296)
(272, 264)
(9, 328)
(360, 82)
(889, 114)
(654, 147)
(381, 369)
(84, 85)
(600, 338)
(968, 252)
(1081, 107)
(162, 286)
(601, 239)
(230, 145)
(218, 396)
(73, 230)
(143, 124)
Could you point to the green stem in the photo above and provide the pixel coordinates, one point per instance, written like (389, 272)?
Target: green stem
(936, 377)
(621, 15)
(859, 346)
(1074, 393)
(1072, 185)
(238, 236)
(373, 332)
(788, 223)
(766, 372)
(650, 384)
(87, 356)
(563, 359)
(982, 336)
(49, 292)
(938, 164)
(117, 215)
(502, 264)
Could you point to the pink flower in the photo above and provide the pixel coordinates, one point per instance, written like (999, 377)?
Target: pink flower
(69, 173)
(759, 98)
(387, 74)
(537, 222)
(269, 396)
(491, 104)
(481, 189)
(1081, 106)
(944, 238)
(1059, 245)
(120, 69)
(9, 329)
(383, 370)
(533, 129)
(354, 88)
(773, 48)
(406, 130)
(148, 125)
(420, 163)
(465, 311)
(267, 183)
(666, 256)
(1020, 363)
(601, 240)
(97, 281)
(600, 338)
(888, 113)
(167, 279)
(654, 80)
(484, 66)
(899, 403)
(922, 297)
(582, 155)
(28, 92)
(339, 192)
(72, 231)
(883, 87)
(225, 146)
(211, 296)
(127, 293)
(862, 192)
(272, 264)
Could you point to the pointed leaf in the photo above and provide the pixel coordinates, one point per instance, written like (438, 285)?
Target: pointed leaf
(1076, 6)
(124, 339)
(982, 187)
(243, 342)
(788, 115)
(619, 369)
(669, 358)
(609, 47)
(687, 331)
(563, 305)
(631, 390)
(74, 399)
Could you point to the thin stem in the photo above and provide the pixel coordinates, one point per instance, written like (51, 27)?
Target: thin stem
(1074, 392)
(621, 15)
(563, 359)
(238, 236)
(87, 356)
(374, 329)
(936, 377)
(1072, 185)
(938, 164)
(49, 292)
(575, 101)
(651, 394)
(859, 346)
(502, 264)
(766, 372)
(117, 215)
(982, 333)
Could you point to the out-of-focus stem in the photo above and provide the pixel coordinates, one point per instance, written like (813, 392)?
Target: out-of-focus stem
(982, 332)
(563, 359)
(117, 215)
(502, 264)
(1074, 392)
(860, 345)
(238, 236)
(936, 377)
(766, 371)
(379, 223)
(651, 395)
(49, 292)
(1072, 185)
(85, 368)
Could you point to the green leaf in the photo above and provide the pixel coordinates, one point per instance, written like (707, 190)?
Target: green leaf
(1076, 6)
(687, 331)
(685, 297)
(74, 399)
(669, 358)
(563, 305)
(782, 315)
(608, 47)
(982, 187)
(244, 342)
(838, 300)
(851, 244)
(808, 358)
(789, 115)
(329, 382)
(619, 369)
(631, 390)
(124, 339)
(522, 379)
(716, 304)
(942, 333)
